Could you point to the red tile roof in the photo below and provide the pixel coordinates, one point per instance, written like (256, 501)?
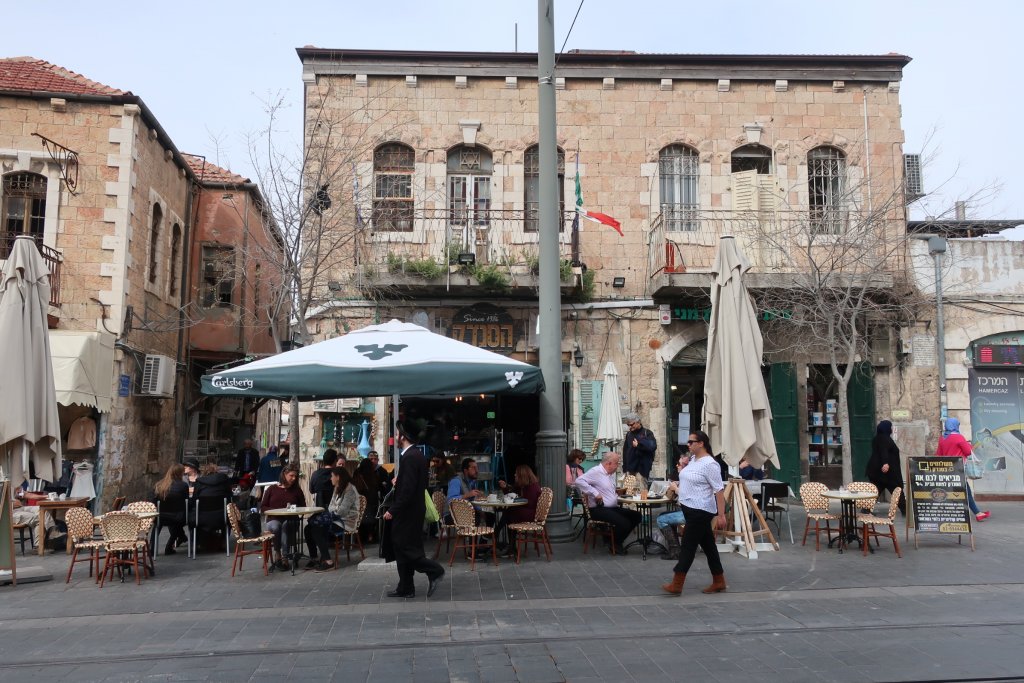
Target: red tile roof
(207, 172)
(28, 74)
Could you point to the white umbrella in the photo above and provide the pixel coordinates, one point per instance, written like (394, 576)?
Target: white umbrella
(29, 425)
(737, 415)
(609, 420)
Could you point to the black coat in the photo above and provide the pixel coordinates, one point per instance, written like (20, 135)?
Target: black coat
(320, 487)
(884, 451)
(214, 488)
(408, 509)
(639, 458)
(172, 506)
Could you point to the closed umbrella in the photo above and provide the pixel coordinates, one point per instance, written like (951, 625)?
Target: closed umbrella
(737, 415)
(609, 420)
(29, 425)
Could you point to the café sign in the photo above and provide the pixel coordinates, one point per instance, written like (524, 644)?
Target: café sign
(485, 326)
(682, 313)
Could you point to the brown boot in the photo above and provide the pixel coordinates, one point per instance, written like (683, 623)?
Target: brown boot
(676, 586)
(717, 586)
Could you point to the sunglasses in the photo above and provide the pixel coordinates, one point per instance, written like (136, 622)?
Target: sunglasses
(694, 441)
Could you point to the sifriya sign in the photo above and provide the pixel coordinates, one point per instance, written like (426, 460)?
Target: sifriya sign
(485, 326)
(232, 383)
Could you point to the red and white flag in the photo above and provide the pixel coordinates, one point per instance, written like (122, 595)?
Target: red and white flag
(594, 216)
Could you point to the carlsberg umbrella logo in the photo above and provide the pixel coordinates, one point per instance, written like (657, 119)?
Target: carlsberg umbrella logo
(231, 383)
(513, 378)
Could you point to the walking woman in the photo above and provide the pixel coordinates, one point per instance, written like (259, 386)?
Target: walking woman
(702, 499)
(884, 467)
(954, 443)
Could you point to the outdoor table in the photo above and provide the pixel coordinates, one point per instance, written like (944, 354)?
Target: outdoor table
(848, 515)
(53, 506)
(498, 507)
(645, 530)
(297, 539)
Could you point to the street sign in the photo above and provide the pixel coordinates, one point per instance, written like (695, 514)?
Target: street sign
(937, 497)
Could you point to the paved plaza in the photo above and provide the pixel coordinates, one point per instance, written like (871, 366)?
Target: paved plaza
(941, 613)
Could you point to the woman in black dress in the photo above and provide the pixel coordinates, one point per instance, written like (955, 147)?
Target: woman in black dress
(884, 467)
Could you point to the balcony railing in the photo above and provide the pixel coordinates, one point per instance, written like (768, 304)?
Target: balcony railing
(51, 257)
(503, 238)
(774, 241)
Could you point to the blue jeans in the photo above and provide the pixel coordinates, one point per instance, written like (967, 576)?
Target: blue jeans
(667, 519)
(970, 501)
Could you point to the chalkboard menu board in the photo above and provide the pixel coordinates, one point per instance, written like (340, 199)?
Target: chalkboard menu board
(938, 495)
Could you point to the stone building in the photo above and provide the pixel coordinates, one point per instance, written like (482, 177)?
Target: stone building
(439, 150)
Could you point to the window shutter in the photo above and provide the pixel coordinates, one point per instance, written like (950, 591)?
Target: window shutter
(589, 409)
(745, 191)
(767, 195)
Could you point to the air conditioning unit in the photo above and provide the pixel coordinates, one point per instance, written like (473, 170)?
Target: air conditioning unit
(912, 176)
(157, 376)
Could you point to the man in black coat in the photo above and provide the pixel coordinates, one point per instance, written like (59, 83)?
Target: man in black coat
(638, 448)
(405, 519)
(247, 460)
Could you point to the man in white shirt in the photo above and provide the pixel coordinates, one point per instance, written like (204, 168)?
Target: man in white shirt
(598, 488)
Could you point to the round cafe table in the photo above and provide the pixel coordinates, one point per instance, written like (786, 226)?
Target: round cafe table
(645, 530)
(848, 515)
(299, 513)
(498, 507)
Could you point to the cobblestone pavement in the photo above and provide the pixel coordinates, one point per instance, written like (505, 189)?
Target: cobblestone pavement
(941, 613)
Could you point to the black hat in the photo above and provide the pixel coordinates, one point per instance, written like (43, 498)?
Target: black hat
(191, 462)
(412, 430)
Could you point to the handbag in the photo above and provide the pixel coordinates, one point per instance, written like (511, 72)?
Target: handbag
(251, 525)
(973, 467)
(323, 519)
(431, 510)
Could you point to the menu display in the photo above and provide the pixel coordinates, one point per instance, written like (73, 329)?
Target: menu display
(938, 495)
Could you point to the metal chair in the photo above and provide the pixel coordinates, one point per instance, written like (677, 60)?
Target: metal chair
(346, 538)
(241, 540)
(80, 524)
(868, 524)
(537, 530)
(207, 504)
(771, 495)
(468, 533)
(816, 506)
(21, 540)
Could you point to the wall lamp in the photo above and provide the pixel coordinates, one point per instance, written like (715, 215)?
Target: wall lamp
(467, 259)
(577, 356)
(618, 282)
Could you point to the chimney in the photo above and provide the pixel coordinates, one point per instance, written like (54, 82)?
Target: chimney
(961, 211)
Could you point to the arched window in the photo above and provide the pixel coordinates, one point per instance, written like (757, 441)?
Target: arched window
(678, 168)
(393, 165)
(752, 158)
(174, 268)
(24, 208)
(531, 171)
(154, 243)
(826, 185)
(469, 190)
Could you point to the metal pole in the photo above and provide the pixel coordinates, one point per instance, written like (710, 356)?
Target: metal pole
(940, 330)
(551, 440)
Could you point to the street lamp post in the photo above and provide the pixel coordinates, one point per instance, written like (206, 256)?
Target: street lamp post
(937, 249)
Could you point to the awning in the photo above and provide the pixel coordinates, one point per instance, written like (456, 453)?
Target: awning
(83, 368)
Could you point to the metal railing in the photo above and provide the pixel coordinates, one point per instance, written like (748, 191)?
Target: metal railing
(51, 257)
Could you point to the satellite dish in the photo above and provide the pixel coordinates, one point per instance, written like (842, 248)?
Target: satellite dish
(422, 319)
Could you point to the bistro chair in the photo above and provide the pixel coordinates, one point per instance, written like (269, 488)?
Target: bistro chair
(631, 483)
(866, 505)
(21, 540)
(468, 534)
(537, 530)
(446, 530)
(816, 506)
(595, 528)
(121, 539)
(575, 500)
(262, 542)
(118, 503)
(80, 524)
(771, 497)
(147, 524)
(869, 523)
(346, 538)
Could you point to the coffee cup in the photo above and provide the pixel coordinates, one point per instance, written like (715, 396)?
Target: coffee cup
(62, 496)
(51, 496)
(493, 498)
(292, 506)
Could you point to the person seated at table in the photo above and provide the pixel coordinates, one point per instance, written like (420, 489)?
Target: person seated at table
(527, 486)
(212, 484)
(286, 492)
(441, 472)
(465, 485)
(573, 466)
(598, 488)
(669, 522)
(367, 484)
(320, 490)
(341, 514)
(172, 497)
(25, 512)
(749, 472)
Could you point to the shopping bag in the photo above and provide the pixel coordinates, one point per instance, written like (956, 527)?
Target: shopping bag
(973, 467)
(431, 513)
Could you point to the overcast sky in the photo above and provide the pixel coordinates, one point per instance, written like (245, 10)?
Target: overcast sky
(204, 68)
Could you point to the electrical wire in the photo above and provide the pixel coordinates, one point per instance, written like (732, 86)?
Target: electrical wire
(566, 42)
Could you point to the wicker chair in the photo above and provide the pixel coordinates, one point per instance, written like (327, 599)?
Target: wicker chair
(868, 504)
(80, 527)
(445, 531)
(467, 533)
(537, 530)
(147, 524)
(631, 483)
(262, 542)
(118, 503)
(595, 528)
(869, 524)
(345, 539)
(121, 539)
(816, 506)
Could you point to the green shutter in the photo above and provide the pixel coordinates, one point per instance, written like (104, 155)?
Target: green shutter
(589, 409)
(782, 397)
(861, 400)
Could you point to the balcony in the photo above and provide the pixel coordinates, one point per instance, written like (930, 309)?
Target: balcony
(467, 253)
(780, 245)
(51, 257)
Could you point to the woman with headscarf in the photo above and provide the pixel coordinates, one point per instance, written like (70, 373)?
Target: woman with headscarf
(884, 468)
(953, 443)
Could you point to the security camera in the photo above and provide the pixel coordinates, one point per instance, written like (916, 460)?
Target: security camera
(942, 387)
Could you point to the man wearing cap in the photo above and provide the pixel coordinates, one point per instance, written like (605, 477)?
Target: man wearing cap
(247, 460)
(638, 449)
(403, 540)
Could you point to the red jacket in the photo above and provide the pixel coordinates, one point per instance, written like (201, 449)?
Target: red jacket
(954, 444)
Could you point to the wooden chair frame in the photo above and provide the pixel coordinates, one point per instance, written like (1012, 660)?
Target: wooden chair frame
(468, 533)
(869, 522)
(241, 552)
(80, 524)
(121, 535)
(535, 532)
